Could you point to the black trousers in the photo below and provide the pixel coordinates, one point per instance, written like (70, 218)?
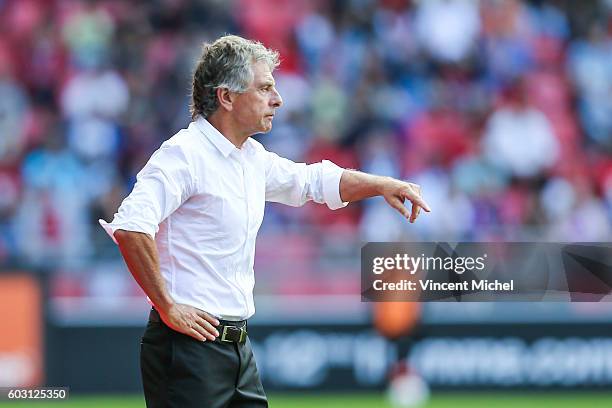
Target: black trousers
(179, 371)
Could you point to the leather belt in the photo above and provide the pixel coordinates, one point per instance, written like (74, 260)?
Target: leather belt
(229, 331)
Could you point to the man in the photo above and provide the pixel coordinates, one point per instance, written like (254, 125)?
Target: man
(187, 230)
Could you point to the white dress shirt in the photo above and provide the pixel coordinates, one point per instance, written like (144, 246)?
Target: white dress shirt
(202, 200)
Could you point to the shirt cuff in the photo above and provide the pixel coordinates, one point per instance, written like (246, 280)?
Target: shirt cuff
(111, 227)
(331, 185)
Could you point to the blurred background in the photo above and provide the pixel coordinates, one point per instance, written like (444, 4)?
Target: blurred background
(500, 109)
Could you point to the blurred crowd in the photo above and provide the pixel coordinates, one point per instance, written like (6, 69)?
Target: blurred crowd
(500, 109)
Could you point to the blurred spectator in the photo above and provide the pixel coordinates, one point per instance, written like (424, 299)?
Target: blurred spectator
(586, 218)
(379, 155)
(448, 29)
(88, 33)
(507, 39)
(519, 138)
(52, 217)
(314, 34)
(92, 101)
(101, 93)
(590, 63)
(437, 136)
(13, 111)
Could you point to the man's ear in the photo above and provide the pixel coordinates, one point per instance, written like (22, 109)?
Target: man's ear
(225, 98)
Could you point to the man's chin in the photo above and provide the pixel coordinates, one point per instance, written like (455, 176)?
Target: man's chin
(266, 128)
(262, 131)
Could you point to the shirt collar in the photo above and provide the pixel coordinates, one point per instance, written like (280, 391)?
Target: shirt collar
(225, 146)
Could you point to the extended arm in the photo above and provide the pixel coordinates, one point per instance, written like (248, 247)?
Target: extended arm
(296, 183)
(140, 255)
(355, 186)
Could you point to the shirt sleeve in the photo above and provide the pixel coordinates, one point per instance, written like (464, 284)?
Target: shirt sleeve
(161, 187)
(294, 184)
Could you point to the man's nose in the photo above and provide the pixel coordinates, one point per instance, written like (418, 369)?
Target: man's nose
(277, 100)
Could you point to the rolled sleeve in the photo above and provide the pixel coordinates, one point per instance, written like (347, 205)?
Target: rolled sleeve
(111, 227)
(330, 180)
(295, 184)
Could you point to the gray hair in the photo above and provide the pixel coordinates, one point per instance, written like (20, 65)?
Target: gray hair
(226, 63)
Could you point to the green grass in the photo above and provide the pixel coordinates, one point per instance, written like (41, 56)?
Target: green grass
(357, 400)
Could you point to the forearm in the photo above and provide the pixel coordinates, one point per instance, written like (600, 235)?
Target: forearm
(140, 255)
(355, 185)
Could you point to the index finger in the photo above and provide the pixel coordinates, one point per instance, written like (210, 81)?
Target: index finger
(418, 209)
(415, 212)
(418, 201)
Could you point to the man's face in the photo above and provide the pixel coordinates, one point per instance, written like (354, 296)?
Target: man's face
(255, 108)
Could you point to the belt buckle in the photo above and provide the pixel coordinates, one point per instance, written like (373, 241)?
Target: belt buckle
(229, 329)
